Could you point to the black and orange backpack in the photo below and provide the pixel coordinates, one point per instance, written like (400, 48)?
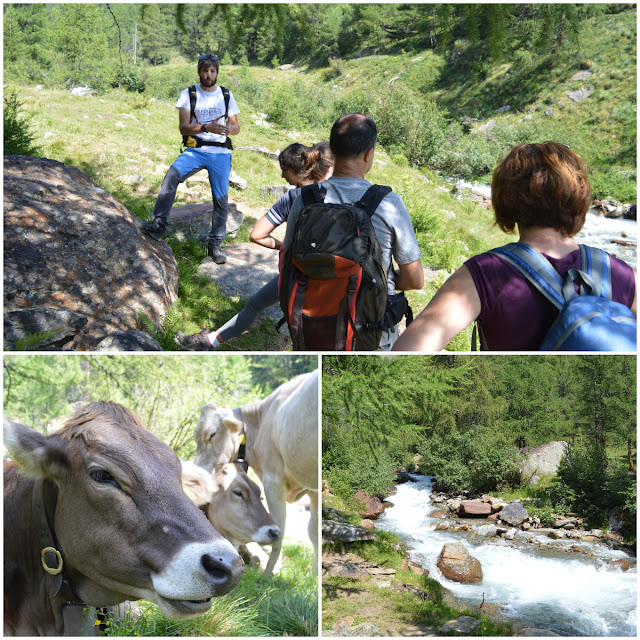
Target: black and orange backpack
(333, 284)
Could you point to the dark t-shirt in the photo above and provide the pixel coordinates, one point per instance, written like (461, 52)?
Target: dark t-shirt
(514, 315)
(279, 212)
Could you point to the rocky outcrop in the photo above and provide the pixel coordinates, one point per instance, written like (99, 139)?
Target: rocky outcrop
(457, 564)
(345, 532)
(69, 246)
(543, 459)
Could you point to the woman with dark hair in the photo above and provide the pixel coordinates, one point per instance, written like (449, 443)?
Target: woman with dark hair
(300, 166)
(543, 190)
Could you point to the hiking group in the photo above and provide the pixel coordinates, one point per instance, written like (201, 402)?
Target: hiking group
(350, 250)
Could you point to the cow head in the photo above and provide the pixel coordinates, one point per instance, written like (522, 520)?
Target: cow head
(232, 502)
(217, 436)
(123, 524)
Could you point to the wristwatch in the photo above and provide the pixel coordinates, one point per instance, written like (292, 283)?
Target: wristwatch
(203, 129)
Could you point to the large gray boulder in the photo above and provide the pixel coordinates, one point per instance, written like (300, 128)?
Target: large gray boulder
(69, 245)
(514, 514)
(541, 460)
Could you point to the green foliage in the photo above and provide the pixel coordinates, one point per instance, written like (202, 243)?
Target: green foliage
(129, 78)
(18, 139)
(40, 389)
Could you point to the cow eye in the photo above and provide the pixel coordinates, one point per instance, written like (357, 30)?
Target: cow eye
(238, 492)
(103, 477)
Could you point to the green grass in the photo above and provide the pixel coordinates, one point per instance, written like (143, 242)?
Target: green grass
(283, 605)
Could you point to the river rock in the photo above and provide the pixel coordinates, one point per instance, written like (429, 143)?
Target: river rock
(465, 625)
(530, 632)
(439, 513)
(543, 459)
(69, 245)
(457, 564)
(368, 524)
(621, 564)
(487, 531)
(370, 507)
(345, 532)
(474, 508)
(571, 523)
(556, 535)
(514, 514)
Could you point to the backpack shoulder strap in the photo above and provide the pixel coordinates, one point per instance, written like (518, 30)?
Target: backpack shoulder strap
(596, 264)
(193, 96)
(313, 193)
(535, 268)
(372, 198)
(225, 95)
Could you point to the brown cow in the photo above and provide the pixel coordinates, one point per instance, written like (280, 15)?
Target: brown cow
(108, 501)
(232, 502)
(281, 435)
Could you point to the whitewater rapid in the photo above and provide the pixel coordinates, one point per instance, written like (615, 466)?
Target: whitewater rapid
(568, 593)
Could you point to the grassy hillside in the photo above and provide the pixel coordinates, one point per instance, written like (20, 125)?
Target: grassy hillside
(431, 108)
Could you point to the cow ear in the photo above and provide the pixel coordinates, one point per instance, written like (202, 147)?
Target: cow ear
(232, 424)
(224, 476)
(197, 483)
(39, 456)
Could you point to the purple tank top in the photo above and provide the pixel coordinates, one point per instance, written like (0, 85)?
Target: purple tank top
(514, 315)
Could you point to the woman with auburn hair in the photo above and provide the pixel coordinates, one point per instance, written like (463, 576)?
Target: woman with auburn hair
(300, 166)
(543, 190)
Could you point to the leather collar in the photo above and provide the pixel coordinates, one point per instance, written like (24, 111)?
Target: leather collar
(51, 558)
(242, 451)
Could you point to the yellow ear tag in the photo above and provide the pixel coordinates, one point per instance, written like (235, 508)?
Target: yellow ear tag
(241, 439)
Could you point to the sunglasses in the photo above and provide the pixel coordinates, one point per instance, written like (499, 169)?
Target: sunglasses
(209, 57)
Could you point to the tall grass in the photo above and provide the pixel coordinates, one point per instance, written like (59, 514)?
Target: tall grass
(283, 605)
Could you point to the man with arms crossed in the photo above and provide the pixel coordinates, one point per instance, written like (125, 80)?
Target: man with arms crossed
(212, 153)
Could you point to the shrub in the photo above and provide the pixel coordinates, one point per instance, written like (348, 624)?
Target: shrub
(129, 79)
(18, 137)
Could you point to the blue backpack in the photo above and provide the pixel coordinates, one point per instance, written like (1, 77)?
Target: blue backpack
(589, 320)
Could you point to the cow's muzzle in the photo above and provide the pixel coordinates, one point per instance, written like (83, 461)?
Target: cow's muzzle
(197, 573)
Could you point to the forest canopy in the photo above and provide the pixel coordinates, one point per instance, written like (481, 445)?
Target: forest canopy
(465, 419)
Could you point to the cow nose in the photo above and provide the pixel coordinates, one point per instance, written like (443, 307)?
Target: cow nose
(274, 533)
(219, 570)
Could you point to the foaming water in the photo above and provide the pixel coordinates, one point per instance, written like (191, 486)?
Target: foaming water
(567, 593)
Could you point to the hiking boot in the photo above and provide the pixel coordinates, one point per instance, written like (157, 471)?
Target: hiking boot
(215, 253)
(194, 341)
(153, 228)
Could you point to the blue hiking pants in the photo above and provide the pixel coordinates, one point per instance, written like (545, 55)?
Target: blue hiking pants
(189, 162)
